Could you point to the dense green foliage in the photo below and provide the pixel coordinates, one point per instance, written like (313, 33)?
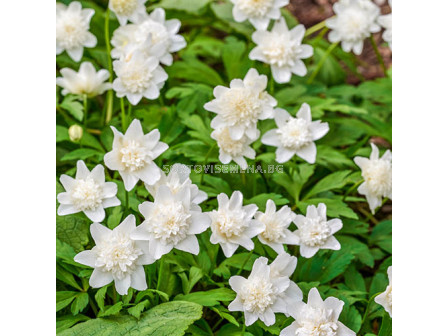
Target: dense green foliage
(183, 285)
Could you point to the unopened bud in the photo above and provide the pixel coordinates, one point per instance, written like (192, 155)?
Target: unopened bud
(75, 133)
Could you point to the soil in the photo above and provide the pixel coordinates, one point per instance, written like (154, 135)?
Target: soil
(311, 12)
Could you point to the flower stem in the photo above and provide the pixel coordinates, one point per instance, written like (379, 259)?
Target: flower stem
(84, 98)
(123, 115)
(353, 187)
(321, 62)
(378, 55)
(206, 159)
(245, 262)
(366, 313)
(315, 28)
(110, 93)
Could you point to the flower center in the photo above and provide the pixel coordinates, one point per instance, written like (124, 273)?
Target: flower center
(378, 176)
(240, 106)
(158, 32)
(86, 195)
(255, 8)
(170, 222)
(258, 294)
(354, 24)
(227, 144)
(124, 7)
(71, 30)
(274, 229)
(279, 50)
(117, 254)
(317, 322)
(231, 224)
(136, 78)
(295, 134)
(314, 232)
(133, 155)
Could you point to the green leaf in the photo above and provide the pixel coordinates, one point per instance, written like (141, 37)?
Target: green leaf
(209, 298)
(224, 313)
(261, 199)
(166, 319)
(382, 235)
(100, 296)
(335, 207)
(64, 298)
(65, 322)
(82, 154)
(137, 310)
(81, 301)
(73, 230)
(112, 310)
(62, 133)
(335, 180)
(195, 71)
(386, 326)
(72, 106)
(90, 141)
(66, 277)
(235, 63)
(189, 6)
(114, 219)
(351, 317)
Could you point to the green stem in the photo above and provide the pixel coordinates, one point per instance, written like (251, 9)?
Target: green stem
(315, 28)
(244, 328)
(110, 93)
(84, 98)
(271, 85)
(92, 305)
(206, 158)
(366, 313)
(245, 262)
(159, 276)
(321, 62)
(123, 115)
(378, 55)
(353, 187)
(127, 200)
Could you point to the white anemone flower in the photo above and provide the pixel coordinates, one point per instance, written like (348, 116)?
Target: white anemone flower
(87, 192)
(72, 29)
(241, 106)
(282, 49)
(315, 232)
(276, 223)
(385, 21)
(258, 12)
(354, 21)
(127, 10)
(295, 135)
(234, 150)
(385, 298)
(318, 318)
(177, 179)
(233, 224)
(87, 81)
(133, 155)
(138, 76)
(377, 174)
(116, 257)
(260, 295)
(171, 222)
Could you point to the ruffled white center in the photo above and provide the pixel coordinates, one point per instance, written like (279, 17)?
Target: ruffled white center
(354, 24)
(279, 50)
(117, 255)
(133, 155)
(240, 106)
(295, 134)
(135, 76)
(86, 194)
(274, 229)
(378, 176)
(124, 7)
(170, 222)
(158, 32)
(71, 30)
(257, 294)
(231, 224)
(314, 232)
(255, 8)
(316, 322)
(227, 144)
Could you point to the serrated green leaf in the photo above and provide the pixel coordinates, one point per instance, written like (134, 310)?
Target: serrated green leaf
(81, 301)
(72, 106)
(73, 230)
(208, 298)
(82, 154)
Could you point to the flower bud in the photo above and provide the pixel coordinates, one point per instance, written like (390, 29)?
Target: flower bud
(75, 133)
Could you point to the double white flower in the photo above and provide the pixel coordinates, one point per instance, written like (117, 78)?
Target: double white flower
(127, 9)
(133, 155)
(315, 232)
(88, 192)
(171, 221)
(354, 21)
(377, 174)
(233, 225)
(318, 317)
(86, 81)
(282, 49)
(258, 12)
(295, 136)
(266, 291)
(116, 257)
(385, 298)
(72, 29)
(385, 21)
(276, 223)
